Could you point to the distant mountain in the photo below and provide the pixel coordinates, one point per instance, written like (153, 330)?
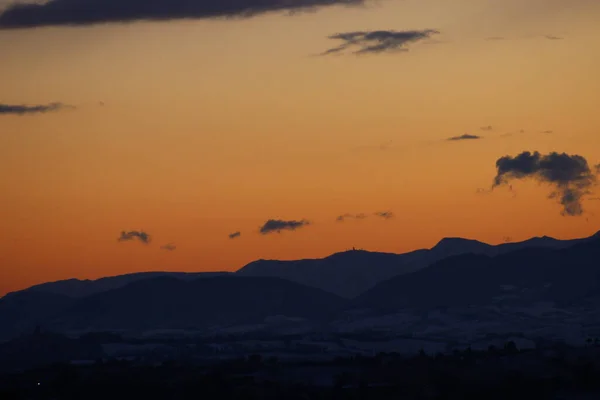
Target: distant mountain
(564, 276)
(351, 273)
(345, 274)
(168, 302)
(82, 288)
(22, 311)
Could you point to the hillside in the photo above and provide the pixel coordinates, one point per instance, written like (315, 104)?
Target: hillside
(172, 303)
(562, 276)
(351, 273)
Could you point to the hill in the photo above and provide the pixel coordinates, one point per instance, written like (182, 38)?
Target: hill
(564, 277)
(172, 303)
(86, 287)
(351, 273)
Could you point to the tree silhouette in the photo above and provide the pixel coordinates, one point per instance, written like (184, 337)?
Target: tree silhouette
(511, 348)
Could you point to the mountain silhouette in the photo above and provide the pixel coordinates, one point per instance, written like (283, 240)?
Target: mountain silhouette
(351, 273)
(565, 276)
(456, 273)
(21, 311)
(168, 302)
(82, 288)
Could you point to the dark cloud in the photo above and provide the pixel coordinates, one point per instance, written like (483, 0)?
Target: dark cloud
(466, 136)
(552, 37)
(375, 42)
(278, 225)
(487, 128)
(235, 235)
(23, 109)
(132, 235)
(569, 174)
(88, 12)
(495, 38)
(384, 214)
(343, 217)
(169, 247)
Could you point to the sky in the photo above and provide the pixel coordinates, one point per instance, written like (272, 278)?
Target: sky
(187, 137)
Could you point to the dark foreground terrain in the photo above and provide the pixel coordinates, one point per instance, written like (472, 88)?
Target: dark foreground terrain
(557, 372)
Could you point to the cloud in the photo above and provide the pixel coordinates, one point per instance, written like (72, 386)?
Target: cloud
(23, 109)
(131, 235)
(384, 214)
(548, 37)
(235, 235)
(569, 174)
(375, 42)
(384, 146)
(89, 12)
(466, 136)
(508, 134)
(169, 247)
(278, 225)
(343, 217)
(487, 128)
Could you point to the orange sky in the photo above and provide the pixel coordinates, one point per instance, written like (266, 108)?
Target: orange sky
(211, 127)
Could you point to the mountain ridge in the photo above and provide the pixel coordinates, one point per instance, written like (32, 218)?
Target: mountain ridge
(485, 291)
(369, 268)
(168, 302)
(345, 273)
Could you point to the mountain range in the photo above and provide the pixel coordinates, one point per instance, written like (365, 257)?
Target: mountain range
(456, 274)
(351, 273)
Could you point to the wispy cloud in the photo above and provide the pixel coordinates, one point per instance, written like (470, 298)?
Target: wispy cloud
(571, 175)
(466, 136)
(343, 217)
(278, 225)
(24, 109)
(537, 36)
(169, 247)
(133, 235)
(384, 214)
(376, 42)
(487, 128)
(235, 235)
(89, 12)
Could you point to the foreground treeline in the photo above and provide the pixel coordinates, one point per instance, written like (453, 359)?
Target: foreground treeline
(494, 374)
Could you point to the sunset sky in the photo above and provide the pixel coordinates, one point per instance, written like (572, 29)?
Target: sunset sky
(193, 129)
